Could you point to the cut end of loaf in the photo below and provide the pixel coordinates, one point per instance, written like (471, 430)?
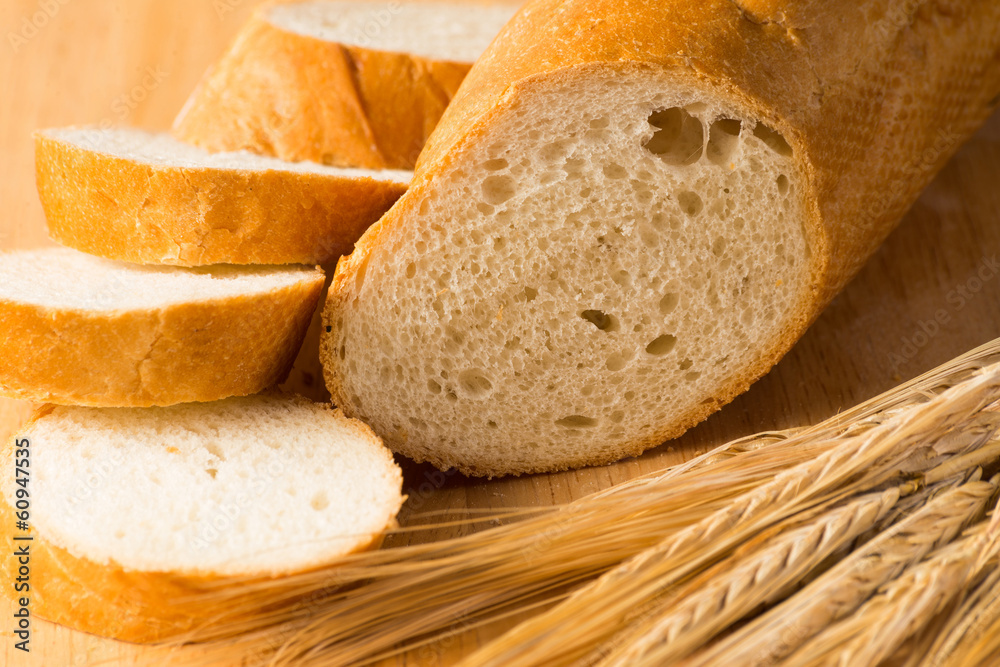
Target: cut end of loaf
(256, 486)
(614, 257)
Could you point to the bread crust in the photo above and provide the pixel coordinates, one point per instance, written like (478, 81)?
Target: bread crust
(300, 98)
(153, 214)
(13, 415)
(184, 352)
(863, 116)
(137, 606)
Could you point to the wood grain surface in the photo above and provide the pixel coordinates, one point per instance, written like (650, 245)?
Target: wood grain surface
(931, 293)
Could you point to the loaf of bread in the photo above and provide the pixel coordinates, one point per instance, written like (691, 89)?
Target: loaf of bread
(632, 209)
(147, 198)
(81, 330)
(354, 84)
(135, 511)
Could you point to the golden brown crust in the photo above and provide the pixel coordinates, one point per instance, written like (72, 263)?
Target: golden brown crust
(109, 600)
(299, 98)
(871, 118)
(13, 415)
(148, 214)
(184, 352)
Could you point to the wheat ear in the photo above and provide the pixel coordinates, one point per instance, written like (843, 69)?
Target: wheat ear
(905, 605)
(849, 466)
(756, 573)
(840, 591)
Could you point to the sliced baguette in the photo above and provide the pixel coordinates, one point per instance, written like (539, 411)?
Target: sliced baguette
(359, 84)
(632, 210)
(82, 330)
(133, 511)
(147, 198)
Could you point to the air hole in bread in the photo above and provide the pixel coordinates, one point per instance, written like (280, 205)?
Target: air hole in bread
(577, 421)
(601, 320)
(719, 247)
(215, 450)
(320, 501)
(649, 236)
(686, 364)
(475, 384)
(622, 278)
(574, 166)
(691, 203)
(774, 141)
(498, 164)
(359, 278)
(615, 171)
(661, 345)
(679, 138)
(212, 472)
(782, 185)
(600, 123)
(723, 139)
(411, 270)
(616, 362)
(498, 189)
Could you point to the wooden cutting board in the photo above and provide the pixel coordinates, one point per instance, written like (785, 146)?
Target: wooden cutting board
(931, 293)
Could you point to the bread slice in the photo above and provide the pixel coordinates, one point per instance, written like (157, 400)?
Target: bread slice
(607, 238)
(135, 510)
(147, 198)
(82, 330)
(354, 84)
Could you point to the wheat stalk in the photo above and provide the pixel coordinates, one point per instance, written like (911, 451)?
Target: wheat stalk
(758, 572)
(905, 605)
(845, 587)
(975, 639)
(963, 630)
(857, 463)
(380, 603)
(762, 571)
